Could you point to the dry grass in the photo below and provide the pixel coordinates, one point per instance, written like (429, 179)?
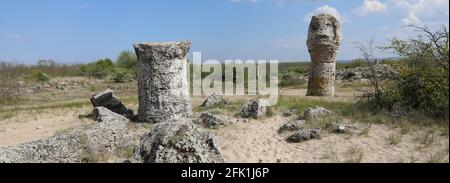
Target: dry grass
(395, 138)
(354, 155)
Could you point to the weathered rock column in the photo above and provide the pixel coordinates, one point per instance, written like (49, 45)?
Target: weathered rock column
(324, 38)
(163, 86)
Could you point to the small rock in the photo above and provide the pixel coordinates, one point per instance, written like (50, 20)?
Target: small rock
(59, 87)
(39, 127)
(316, 113)
(304, 135)
(214, 99)
(210, 120)
(341, 129)
(254, 109)
(292, 126)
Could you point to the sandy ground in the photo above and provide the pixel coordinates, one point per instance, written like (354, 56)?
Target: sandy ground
(29, 126)
(258, 141)
(252, 142)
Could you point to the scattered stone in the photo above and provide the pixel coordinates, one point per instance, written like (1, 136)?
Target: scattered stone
(178, 142)
(382, 71)
(59, 87)
(108, 100)
(39, 128)
(341, 129)
(210, 120)
(316, 113)
(304, 135)
(82, 144)
(254, 109)
(162, 82)
(324, 39)
(292, 126)
(214, 99)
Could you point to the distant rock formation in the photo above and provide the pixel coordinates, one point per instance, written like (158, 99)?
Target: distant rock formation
(162, 82)
(324, 39)
(381, 71)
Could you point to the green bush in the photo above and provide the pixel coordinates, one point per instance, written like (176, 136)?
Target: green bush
(121, 75)
(128, 60)
(39, 76)
(423, 80)
(99, 69)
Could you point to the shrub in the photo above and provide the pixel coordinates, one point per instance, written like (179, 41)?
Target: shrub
(9, 86)
(121, 75)
(422, 83)
(39, 76)
(127, 60)
(99, 69)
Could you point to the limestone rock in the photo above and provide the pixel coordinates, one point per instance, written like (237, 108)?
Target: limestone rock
(324, 39)
(254, 109)
(211, 121)
(292, 126)
(381, 71)
(341, 129)
(316, 113)
(304, 135)
(81, 144)
(214, 99)
(178, 142)
(108, 100)
(162, 81)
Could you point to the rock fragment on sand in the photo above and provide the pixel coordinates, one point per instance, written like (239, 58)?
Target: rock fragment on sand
(316, 113)
(292, 126)
(214, 99)
(304, 135)
(108, 100)
(211, 121)
(254, 109)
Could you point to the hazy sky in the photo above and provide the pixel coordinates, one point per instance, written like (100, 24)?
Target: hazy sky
(75, 31)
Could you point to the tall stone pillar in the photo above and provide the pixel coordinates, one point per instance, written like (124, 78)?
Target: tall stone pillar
(324, 39)
(162, 82)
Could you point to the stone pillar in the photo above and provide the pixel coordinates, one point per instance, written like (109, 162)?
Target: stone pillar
(162, 82)
(324, 39)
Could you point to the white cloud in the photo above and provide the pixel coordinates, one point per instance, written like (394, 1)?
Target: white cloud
(421, 11)
(327, 10)
(370, 7)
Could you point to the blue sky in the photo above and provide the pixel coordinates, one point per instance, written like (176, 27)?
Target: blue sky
(80, 31)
